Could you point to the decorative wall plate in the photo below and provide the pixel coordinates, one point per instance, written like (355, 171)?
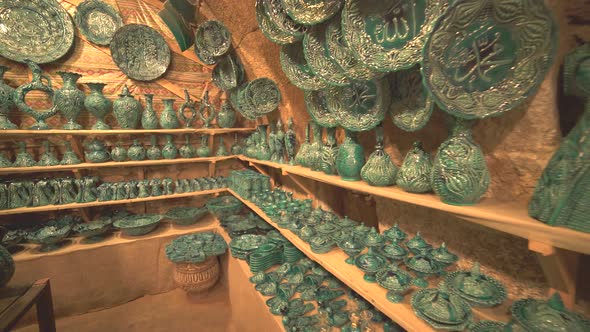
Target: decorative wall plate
(277, 14)
(411, 104)
(315, 102)
(318, 58)
(484, 58)
(212, 38)
(310, 12)
(297, 70)
(205, 58)
(270, 30)
(361, 105)
(228, 73)
(342, 54)
(262, 95)
(140, 52)
(39, 30)
(98, 21)
(388, 35)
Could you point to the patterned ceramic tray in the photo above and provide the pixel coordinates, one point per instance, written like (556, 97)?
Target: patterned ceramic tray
(212, 38)
(315, 101)
(228, 73)
(270, 30)
(98, 21)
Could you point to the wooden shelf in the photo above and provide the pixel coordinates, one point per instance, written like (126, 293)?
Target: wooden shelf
(509, 217)
(47, 208)
(87, 132)
(59, 168)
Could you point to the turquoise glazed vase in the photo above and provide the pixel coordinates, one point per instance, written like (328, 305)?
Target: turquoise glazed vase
(226, 118)
(221, 150)
(7, 266)
(460, 175)
(119, 153)
(6, 101)
(99, 105)
(168, 118)
(136, 151)
(69, 99)
(127, 110)
(236, 148)
(48, 158)
(379, 170)
(187, 150)
(263, 150)
(153, 152)
(149, 119)
(169, 151)
(315, 148)
(204, 150)
(414, 174)
(329, 152)
(350, 158)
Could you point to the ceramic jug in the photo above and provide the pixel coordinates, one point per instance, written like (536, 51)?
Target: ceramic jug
(329, 152)
(119, 153)
(204, 150)
(187, 150)
(414, 174)
(97, 104)
(169, 151)
(6, 101)
(69, 99)
(48, 158)
(190, 105)
(350, 158)
(168, 118)
(127, 110)
(226, 118)
(153, 152)
(7, 266)
(136, 151)
(23, 158)
(36, 84)
(69, 157)
(149, 119)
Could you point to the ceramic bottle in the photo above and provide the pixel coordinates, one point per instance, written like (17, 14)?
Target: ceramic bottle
(187, 150)
(48, 158)
(221, 150)
(69, 157)
(236, 148)
(6, 101)
(291, 142)
(379, 170)
(36, 84)
(263, 152)
(98, 105)
(414, 174)
(169, 151)
(149, 118)
(69, 99)
(350, 158)
(154, 152)
(226, 118)
(204, 151)
(136, 151)
(127, 110)
(168, 118)
(329, 153)
(119, 153)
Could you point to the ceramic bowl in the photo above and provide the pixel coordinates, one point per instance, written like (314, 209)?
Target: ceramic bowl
(223, 207)
(138, 224)
(93, 231)
(49, 237)
(12, 238)
(186, 215)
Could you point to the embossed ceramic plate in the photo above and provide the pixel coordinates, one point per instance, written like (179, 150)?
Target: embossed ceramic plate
(318, 58)
(360, 106)
(388, 35)
(310, 12)
(271, 31)
(411, 104)
(140, 52)
(228, 73)
(297, 70)
(98, 21)
(39, 30)
(277, 14)
(212, 38)
(484, 58)
(315, 102)
(261, 95)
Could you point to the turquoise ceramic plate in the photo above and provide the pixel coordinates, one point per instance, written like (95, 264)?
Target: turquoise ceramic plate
(228, 73)
(315, 102)
(318, 57)
(277, 14)
(484, 58)
(212, 39)
(260, 96)
(388, 35)
(310, 12)
(411, 104)
(98, 21)
(39, 30)
(270, 30)
(297, 70)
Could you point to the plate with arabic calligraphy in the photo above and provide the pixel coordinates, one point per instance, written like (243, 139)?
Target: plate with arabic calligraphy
(318, 58)
(297, 70)
(270, 30)
(360, 106)
(98, 21)
(277, 14)
(228, 73)
(388, 35)
(39, 30)
(484, 58)
(212, 38)
(310, 12)
(140, 52)
(411, 103)
(317, 107)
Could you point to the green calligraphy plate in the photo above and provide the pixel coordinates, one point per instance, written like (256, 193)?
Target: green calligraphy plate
(315, 102)
(98, 21)
(228, 73)
(360, 106)
(318, 57)
(411, 104)
(39, 30)
(388, 35)
(270, 30)
(277, 14)
(311, 12)
(297, 70)
(212, 38)
(484, 58)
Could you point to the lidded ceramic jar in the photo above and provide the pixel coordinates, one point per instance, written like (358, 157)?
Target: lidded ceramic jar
(350, 158)
(127, 110)
(414, 174)
(442, 310)
(379, 170)
(478, 289)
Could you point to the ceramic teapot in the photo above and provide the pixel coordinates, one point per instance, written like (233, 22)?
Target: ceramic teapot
(96, 151)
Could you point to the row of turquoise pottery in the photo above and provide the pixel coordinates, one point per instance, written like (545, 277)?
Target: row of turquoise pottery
(246, 183)
(48, 158)
(273, 145)
(195, 248)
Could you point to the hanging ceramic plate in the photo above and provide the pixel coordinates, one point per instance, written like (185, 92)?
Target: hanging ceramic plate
(212, 38)
(277, 14)
(205, 57)
(310, 12)
(361, 105)
(39, 30)
(228, 73)
(484, 58)
(388, 35)
(342, 55)
(262, 95)
(318, 59)
(140, 52)
(297, 70)
(315, 102)
(98, 21)
(411, 104)
(271, 31)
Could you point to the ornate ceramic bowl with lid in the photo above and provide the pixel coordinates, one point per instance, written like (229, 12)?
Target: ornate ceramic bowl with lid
(352, 247)
(423, 265)
(321, 244)
(370, 264)
(442, 310)
(417, 245)
(476, 288)
(443, 255)
(374, 239)
(394, 252)
(395, 234)
(396, 281)
(547, 316)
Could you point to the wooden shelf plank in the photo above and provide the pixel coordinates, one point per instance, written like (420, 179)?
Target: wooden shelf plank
(88, 166)
(86, 132)
(509, 217)
(47, 208)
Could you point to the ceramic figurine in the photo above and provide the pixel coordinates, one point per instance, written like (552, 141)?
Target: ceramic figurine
(190, 104)
(36, 84)
(350, 158)
(169, 151)
(153, 152)
(262, 145)
(96, 152)
(226, 118)
(4, 161)
(236, 148)
(98, 105)
(48, 158)
(302, 155)
(379, 170)
(67, 191)
(291, 142)
(23, 158)
(315, 148)
(204, 150)
(168, 118)
(7, 266)
(460, 175)
(119, 153)
(280, 138)
(6, 101)
(221, 150)
(149, 118)
(69, 157)
(104, 192)
(329, 152)
(127, 110)
(143, 187)
(414, 174)
(187, 150)
(206, 105)
(136, 151)
(69, 99)
(272, 143)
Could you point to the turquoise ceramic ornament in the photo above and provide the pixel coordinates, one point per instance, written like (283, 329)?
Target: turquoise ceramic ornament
(6, 101)
(136, 151)
(69, 99)
(119, 153)
(168, 118)
(149, 118)
(302, 155)
(315, 148)
(414, 174)
(23, 158)
(206, 108)
(127, 110)
(329, 153)
(187, 150)
(153, 152)
(204, 150)
(48, 158)
(379, 170)
(99, 105)
(459, 174)
(36, 84)
(350, 158)
(169, 151)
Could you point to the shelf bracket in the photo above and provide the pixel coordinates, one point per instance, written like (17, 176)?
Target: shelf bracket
(300, 184)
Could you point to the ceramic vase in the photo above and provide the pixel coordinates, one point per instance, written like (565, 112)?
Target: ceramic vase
(302, 155)
(190, 104)
(23, 158)
(48, 158)
(204, 151)
(221, 150)
(187, 150)
(6, 101)
(7, 266)
(329, 153)
(460, 175)
(149, 119)
(263, 152)
(98, 105)
(4, 161)
(379, 170)
(315, 148)
(291, 142)
(169, 151)
(414, 174)
(36, 84)
(69, 157)
(119, 153)
(280, 143)
(236, 148)
(154, 152)
(127, 110)
(206, 108)
(226, 118)
(350, 158)
(250, 148)
(197, 277)
(168, 118)
(69, 99)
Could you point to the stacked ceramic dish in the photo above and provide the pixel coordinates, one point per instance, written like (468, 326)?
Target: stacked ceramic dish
(243, 245)
(95, 231)
(265, 256)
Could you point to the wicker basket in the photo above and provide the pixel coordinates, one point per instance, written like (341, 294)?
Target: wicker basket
(197, 277)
